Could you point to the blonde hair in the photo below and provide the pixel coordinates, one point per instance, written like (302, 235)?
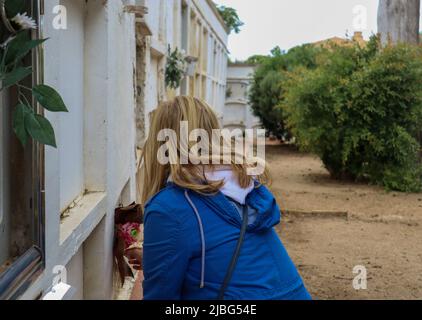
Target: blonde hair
(198, 115)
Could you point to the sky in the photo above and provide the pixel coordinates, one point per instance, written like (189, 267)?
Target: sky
(288, 23)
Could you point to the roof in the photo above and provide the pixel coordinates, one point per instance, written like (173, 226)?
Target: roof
(242, 64)
(357, 38)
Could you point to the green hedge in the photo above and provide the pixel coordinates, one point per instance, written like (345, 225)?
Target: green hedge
(360, 111)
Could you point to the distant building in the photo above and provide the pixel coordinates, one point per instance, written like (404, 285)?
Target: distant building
(237, 112)
(357, 38)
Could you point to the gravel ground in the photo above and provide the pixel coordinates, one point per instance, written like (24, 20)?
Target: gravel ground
(383, 231)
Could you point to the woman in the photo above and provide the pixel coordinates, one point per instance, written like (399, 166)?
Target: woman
(208, 228)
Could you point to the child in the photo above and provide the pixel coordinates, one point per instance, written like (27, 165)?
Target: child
(208, 228)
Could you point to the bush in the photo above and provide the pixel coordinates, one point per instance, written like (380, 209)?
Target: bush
(267, 90)
(273, 119)
(361, 112)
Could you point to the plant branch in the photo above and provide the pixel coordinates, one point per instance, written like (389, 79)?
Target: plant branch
(20, 94)
(24, 87)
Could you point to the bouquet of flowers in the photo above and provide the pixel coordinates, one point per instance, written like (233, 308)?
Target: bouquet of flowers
(128, 240)
(175, 68)
(130, 233)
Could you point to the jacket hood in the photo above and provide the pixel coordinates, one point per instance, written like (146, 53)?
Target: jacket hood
(256, 197)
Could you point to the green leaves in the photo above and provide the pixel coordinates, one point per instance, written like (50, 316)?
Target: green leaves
(15, 76)
(40, 129)
(27, 123)
(175, 68)
(21, 111)
(13, 7)
(231, 18)
(26, 47)
(20, 46)
(49, 98)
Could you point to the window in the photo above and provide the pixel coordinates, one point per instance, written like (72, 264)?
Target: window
(204, 88)
(162, 21)
(194, 35)
(21, 198)
(214, 59)
(185, 26)
(204, 44)
(185, 42)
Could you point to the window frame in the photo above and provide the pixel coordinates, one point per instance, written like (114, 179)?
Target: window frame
(23, 272)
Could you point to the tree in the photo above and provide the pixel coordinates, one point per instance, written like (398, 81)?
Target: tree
(398, 21)
(267, 90)
(256, 59)
(230, 17)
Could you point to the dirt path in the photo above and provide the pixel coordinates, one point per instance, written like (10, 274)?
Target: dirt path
(383, 231)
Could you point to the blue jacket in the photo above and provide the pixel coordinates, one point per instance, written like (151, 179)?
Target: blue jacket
(189, 241)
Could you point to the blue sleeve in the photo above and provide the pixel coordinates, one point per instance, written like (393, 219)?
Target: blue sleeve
(166, 255)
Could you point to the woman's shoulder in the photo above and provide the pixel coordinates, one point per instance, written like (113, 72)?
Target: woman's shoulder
(169, 210)
(168, 200)
(262, 192)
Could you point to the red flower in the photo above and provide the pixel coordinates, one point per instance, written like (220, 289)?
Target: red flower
(129, 232)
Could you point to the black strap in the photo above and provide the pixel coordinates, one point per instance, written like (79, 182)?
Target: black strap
(235, 254)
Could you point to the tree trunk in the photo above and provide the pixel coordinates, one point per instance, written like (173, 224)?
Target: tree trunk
(398, 21)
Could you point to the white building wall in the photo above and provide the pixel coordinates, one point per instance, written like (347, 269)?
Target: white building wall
(193, 26)
(104, 43)
(237, 112)
(92, 64)
(72, 46)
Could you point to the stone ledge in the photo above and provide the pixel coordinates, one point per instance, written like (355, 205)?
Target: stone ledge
(80, 223)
